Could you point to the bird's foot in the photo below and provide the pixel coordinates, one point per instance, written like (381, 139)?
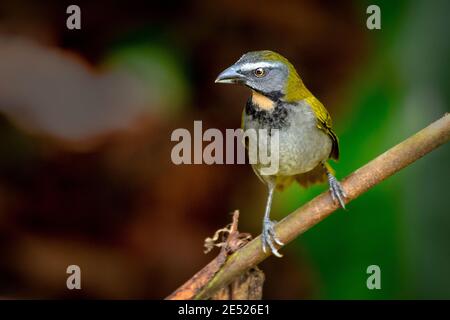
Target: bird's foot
(336, 190)
(269, 237)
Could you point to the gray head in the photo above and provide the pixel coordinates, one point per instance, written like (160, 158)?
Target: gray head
(266, 72)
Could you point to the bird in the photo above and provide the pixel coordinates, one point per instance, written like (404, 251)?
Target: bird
(280, 100)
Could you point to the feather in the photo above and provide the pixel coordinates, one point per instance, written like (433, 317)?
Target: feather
(324, 123)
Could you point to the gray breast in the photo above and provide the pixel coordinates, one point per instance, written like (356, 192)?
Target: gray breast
(302, 146)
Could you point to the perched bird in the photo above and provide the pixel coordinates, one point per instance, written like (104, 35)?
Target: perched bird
(280, 100)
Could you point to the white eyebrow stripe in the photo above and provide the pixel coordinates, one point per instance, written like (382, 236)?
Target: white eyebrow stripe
(254, 65)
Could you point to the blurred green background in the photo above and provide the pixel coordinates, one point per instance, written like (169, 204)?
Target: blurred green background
(85, 121)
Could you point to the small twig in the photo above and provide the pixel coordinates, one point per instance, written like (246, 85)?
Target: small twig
(319, 208)
(228, 238)
(231, 241)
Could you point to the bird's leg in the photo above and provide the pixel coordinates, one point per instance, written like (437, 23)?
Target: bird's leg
(337, 193)
(268, 231)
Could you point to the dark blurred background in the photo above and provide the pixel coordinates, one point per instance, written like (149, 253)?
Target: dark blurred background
(86, 116)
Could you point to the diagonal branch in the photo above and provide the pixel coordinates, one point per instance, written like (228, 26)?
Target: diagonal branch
(302, 219)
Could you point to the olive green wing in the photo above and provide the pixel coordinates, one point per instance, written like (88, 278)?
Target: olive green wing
(324, 123)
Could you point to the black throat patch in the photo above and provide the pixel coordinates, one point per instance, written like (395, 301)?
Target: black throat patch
(277, 118)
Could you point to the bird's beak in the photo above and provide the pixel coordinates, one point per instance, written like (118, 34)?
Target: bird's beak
(230, 75)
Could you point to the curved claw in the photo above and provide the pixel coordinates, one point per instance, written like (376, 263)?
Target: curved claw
(273, 235)
(274, 250)
(337, 193)
(277, 241)
(269, 237)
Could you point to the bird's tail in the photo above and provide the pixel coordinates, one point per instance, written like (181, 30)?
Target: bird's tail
(316, 175)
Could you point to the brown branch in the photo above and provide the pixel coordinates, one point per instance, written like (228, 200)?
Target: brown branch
(320, 207)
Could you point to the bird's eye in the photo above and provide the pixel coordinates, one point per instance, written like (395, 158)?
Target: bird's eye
(259, 72)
